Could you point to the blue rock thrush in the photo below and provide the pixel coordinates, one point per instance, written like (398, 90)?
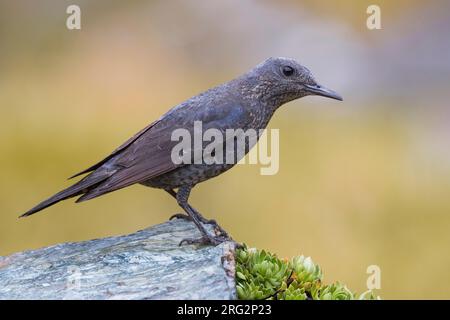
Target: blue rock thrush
(247, 102)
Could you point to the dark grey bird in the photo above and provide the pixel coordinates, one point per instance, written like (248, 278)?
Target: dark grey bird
(247, 102)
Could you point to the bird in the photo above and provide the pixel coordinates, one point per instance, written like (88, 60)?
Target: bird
(246, 102)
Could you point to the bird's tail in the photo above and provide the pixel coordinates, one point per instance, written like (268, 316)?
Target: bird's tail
(78, 188)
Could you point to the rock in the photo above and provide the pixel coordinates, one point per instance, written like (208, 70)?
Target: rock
(148, 264)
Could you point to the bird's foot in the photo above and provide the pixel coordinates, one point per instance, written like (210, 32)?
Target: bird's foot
(180, 216)
(218, 229)
(189, 218)
(206, 240)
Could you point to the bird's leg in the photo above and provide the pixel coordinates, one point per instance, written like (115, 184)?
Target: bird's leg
(182, 198)
(185, 216)
(200, 217)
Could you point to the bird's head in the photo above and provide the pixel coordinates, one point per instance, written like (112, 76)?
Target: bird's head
(280, 80)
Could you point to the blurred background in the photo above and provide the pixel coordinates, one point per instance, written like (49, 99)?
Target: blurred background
(362, 182)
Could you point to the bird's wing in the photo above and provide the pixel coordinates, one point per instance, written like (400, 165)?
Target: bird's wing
(149, 155)
(117, 151)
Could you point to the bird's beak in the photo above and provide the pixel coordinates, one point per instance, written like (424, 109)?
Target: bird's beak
(318, 90)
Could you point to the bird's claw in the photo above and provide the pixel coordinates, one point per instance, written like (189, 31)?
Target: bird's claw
(203, 220)
(205, 240)
(180, 216)
(217, 229)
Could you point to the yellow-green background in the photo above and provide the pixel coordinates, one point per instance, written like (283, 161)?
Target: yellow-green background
(362, 182)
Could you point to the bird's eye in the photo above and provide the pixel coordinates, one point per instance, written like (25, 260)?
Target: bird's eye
(288, 71)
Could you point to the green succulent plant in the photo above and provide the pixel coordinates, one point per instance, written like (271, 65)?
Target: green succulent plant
(295, 291)
(262, 275)
(259, 274)
(335, 291)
